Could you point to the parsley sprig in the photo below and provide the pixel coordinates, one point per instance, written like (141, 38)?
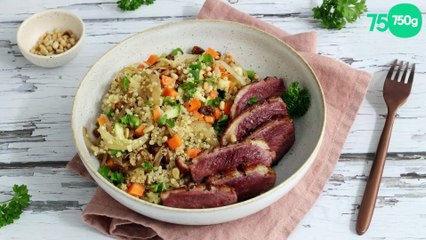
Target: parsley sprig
(130, 5)
(334, 14)
(297, 100)
(12, 209)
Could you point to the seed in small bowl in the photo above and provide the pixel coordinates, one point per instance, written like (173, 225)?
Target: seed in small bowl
(54, 42)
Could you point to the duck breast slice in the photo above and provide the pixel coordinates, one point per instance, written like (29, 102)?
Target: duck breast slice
(279, 134)
(253, 117)
(199, 196)
(261, 90)
(249, 182)
(229, 157)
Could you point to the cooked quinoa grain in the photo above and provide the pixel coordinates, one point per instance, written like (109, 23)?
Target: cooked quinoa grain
(158, 111)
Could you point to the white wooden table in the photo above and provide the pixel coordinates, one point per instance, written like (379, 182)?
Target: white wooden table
(36, 141)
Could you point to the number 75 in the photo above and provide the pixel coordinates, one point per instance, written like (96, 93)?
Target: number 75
(379, 19)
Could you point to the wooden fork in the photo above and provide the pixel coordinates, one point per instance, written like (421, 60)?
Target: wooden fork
(395, 93)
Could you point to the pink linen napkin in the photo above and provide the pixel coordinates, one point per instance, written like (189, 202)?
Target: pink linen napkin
(344, 90)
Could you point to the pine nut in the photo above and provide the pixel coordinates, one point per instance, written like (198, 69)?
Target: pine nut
(175, 173)
(54, 42)
(55, 45)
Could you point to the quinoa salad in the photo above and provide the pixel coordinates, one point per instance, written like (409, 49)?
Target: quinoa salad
(161, 113)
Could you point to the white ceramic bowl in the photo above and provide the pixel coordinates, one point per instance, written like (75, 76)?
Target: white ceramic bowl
(254, 49)
(38, 24)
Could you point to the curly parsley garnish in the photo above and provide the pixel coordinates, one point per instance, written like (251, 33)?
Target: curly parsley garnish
(130, 5)
(12, 209)
(334, 14)
(297, 100)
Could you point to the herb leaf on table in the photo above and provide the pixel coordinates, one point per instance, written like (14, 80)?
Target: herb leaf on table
(12, 209)
(130, 5)
(334, 14)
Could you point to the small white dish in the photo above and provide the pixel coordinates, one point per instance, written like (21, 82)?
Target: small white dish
(40, 23)
(254, 49)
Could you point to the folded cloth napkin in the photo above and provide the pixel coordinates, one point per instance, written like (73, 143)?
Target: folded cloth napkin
(344, 90)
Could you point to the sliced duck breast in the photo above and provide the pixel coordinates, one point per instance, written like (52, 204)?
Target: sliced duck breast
(229, 157)
(279, 134)
(253, 117)
(261, 90)
(199, 196)
(250, 182)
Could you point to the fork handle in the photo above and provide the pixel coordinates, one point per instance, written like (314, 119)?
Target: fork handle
(373, 183)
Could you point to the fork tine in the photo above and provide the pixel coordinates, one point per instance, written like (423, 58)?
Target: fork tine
(404, 75)
(391, 69)
(411, 77)
(399, 70)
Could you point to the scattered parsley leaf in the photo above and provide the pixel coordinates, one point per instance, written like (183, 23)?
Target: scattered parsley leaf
(170, 101)
(176, 51)
(170, 123)
(147, 166)
(196, 66)
(188, 89)
(116, 153)
(130, 5)
(12, 209)
(206, 58)
(250, 74)
(196, 75)
(130, 120)
(124, 120)
(215, 102)
(210, 80)
(221, 124)
(159, 187)
(297, 100)
(253, 100)
(114, 177)
(162, 119)
(125, 83)
(134, 121)
(149, 103)
(104, 171)
(334, 14)
(110, 113)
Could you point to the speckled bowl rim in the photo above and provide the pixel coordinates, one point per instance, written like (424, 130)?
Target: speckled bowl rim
(308, 162)
(62, 11)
